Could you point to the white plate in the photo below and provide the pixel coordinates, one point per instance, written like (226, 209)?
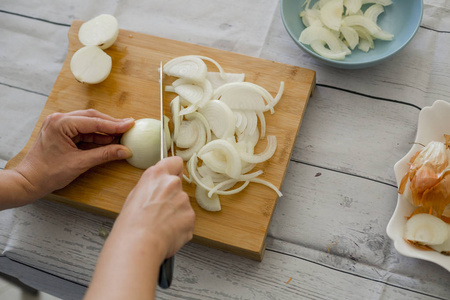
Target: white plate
(434, 122)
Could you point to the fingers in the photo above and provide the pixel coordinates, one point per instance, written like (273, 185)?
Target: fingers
(95, 138)
(92, 113)
(173, 165)
(97, 156)
(80, 124)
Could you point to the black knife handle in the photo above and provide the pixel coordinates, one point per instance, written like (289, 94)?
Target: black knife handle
(166, 272)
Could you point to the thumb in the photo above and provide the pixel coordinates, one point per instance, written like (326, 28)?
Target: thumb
(105, 154)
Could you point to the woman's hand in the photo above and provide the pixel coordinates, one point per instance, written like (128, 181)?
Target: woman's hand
(159, 206)
(68, 145)
(155, 222)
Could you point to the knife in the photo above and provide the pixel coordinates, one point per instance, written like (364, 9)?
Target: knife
(166, 269)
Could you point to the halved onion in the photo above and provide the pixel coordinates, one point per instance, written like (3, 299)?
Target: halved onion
(101, 31)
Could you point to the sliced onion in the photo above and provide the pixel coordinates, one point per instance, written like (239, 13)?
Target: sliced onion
(331, 14)
(263, 156)
(279, 94)
(205, 171)
(353, 6)
(365, 35)
(195, 93)
(229, 192)
(373, 12)
(187, 67)
(268, 184)
(215, 161)
(262, 120)
(220, 118)
(319, 47)
(233, 93)
(212, 114)
(311, 17)
(362, 21)
(351, 36)
(233, 168)
(364, 45)
(252, 122)
(176, 118)
(314, 33)
(202, 119)
(209, 203)
(216, 79)
(242, 123)
(197, 145)
(188, 134)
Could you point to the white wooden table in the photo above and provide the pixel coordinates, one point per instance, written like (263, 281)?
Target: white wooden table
(327, 239)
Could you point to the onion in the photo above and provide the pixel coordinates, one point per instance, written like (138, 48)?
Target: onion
(101, 31)
(90, 64)
(144, 140)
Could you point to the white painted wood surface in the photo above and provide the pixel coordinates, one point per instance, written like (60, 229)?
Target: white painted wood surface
(327, 239)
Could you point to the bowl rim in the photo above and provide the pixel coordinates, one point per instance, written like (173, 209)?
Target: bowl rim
(343, 63)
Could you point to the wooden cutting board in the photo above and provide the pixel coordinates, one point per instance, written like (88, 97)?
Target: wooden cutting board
(132, 90)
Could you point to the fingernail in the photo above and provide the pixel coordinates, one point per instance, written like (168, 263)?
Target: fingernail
(128, 120)
(123, 154)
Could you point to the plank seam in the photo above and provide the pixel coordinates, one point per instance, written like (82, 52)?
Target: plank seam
(23, 89)
(367, 95)
(33, 18)
(337, 171)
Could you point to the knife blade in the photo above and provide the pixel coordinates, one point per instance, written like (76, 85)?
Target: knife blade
(166, 269)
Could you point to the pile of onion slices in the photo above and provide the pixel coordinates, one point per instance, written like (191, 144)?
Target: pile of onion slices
(215, 119)
(336, 27)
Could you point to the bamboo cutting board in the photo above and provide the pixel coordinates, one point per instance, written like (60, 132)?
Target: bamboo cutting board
(132, 90)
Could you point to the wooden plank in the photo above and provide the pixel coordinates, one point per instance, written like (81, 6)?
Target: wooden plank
(132, 89)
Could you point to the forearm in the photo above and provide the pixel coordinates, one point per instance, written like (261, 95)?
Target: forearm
(127, 268)
(15, 190)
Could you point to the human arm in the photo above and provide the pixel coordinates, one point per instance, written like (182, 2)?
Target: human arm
(155, 222)
(55, 158)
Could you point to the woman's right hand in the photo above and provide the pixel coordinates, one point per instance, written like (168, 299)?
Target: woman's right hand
(155, 222)
(159, 207)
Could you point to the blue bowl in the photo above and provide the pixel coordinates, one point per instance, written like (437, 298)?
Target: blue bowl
(402, 18)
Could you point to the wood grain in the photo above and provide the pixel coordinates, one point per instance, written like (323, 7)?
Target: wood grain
(132, 90)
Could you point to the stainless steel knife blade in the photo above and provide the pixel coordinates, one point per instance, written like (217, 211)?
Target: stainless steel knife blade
(166, 269)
